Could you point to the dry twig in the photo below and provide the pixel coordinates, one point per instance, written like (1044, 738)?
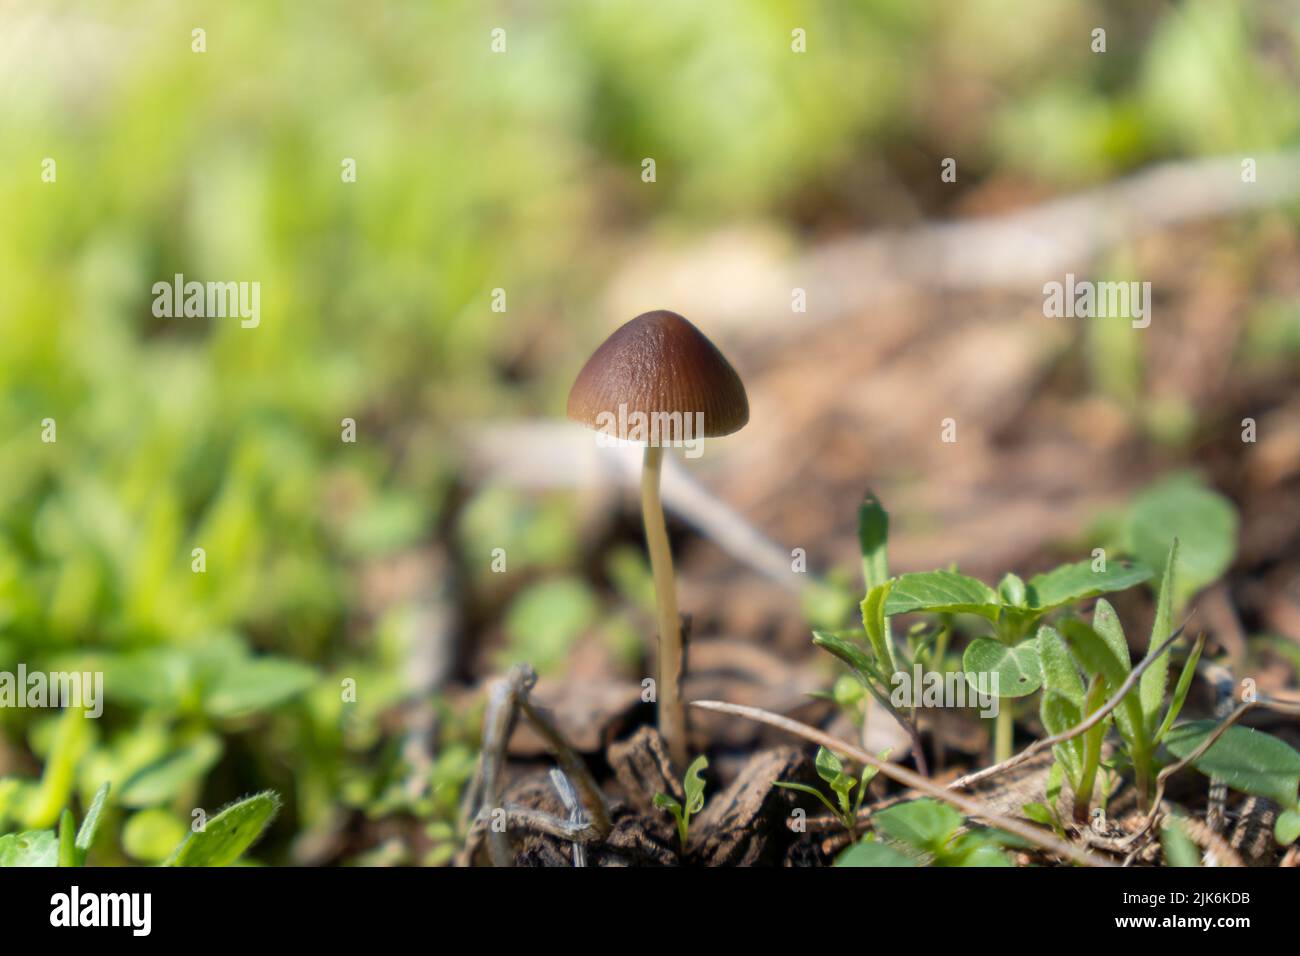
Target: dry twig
(968, 805)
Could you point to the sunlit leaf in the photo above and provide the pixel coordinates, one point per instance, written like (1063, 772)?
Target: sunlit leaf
(229, 834)
(944, 592)
(873, 540)
(1071, 583)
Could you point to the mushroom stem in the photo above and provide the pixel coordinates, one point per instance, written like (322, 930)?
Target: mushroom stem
(672, 714)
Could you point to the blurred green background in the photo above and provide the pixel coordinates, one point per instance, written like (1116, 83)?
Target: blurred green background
(475, 171)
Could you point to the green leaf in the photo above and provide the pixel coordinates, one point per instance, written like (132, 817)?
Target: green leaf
(1071, 583)
(1287, 830)
(1011, 590)
(254, 684)
(872, 853)
(1039, 813)
(545, 620)
(1060, 675)
(1178, 847)
(974, 850)
(811, 791)
(156, 677)
(1106, 623)
(150, 835)
(1017, 668)
(71, 740)
(68, 853)
(828, 766)
(831, 770)
(229, 834)
(164, 779)
(876, 626)
(1058, 715)
(693, 783)
(1155, 678)
(664, 802)
(942, 592)
(1180, 691)
(1098, 656)
(873, 538)
(1204, 522)
(90, 825)
(850, 653)
(925, 824)
(32, 848)
(1247, 760)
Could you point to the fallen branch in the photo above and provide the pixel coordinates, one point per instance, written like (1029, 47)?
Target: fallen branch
(506, 702)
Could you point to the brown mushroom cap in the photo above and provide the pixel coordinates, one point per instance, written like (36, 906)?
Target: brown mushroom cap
(659, 363)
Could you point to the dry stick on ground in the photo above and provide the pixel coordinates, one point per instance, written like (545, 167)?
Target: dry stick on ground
(909, 778)
(508, 699)
(1097, 716)
(569, 797)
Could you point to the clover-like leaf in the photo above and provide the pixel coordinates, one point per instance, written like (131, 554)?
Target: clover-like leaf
(1017, 668)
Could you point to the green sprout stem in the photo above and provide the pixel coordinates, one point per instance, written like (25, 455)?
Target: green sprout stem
(1002, 732)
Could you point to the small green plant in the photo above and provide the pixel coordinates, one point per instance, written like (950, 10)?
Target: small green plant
(1103, 651)
(845, 806)
(1013, 610)
(927, 832)
(222, 841)
(693, 785)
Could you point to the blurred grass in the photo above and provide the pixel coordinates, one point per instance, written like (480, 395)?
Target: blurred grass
(476, 171)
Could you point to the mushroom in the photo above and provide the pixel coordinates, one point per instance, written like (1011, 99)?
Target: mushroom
(658, 381)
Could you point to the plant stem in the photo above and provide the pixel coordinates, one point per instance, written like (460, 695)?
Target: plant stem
(672, 713)
(1142, 775)
(1003, 730)
(1092, 740)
